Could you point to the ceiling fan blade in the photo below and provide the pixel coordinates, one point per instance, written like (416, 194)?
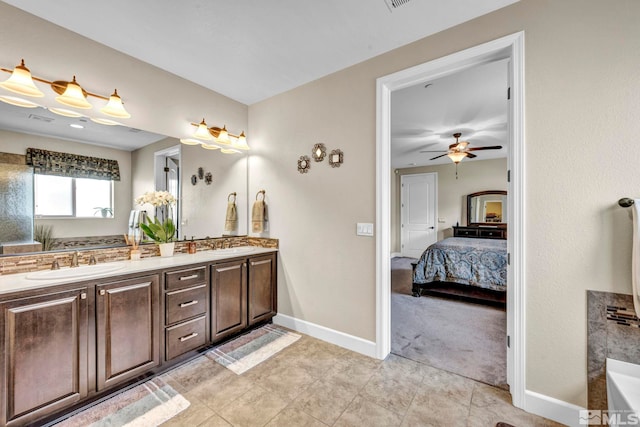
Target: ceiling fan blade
(471, 155)
(437, 157)
(493, 147)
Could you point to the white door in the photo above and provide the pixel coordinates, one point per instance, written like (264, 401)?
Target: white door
(418, 211)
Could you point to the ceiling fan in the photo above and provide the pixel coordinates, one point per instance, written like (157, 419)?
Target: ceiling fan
(459, 150)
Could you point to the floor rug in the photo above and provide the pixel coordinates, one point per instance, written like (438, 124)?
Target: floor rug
(246, 351)
(463, 338)
(147, 404)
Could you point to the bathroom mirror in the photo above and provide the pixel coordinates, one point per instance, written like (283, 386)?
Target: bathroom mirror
(487, 208)
(203, 207)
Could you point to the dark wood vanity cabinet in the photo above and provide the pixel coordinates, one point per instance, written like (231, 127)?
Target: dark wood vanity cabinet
(67, 344)
(186, 304)
(262, 288)
(127, 329)
(228, 298)
(44, 354)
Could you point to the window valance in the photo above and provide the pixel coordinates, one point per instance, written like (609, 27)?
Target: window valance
(72, 165)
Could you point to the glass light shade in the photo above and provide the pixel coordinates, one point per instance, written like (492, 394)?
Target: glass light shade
(21, 82)
(456, 156)
(73, 96)
(18, 102)
(223, 135)
(229, 151)
(210, 146)
(189, 141)
(65, 112)
(203, 132)
(114, 107)
(106, 122)
(241, 143)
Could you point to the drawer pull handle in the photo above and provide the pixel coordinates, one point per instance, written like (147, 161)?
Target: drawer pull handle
(187, 304)
(193, 276)
(188, 337)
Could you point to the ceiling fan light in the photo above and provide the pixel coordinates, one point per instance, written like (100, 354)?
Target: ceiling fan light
(203, 132)
(21, 82)
(457, 156)
(74, 96)
(115, 108)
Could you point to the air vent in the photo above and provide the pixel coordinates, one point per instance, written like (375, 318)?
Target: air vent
(41, 118)
(394, 4)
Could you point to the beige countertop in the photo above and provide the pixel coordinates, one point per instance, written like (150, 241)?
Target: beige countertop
(41, 279)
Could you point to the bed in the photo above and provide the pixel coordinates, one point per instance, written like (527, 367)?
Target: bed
(467, 268)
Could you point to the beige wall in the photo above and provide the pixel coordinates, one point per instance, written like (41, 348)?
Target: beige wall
(581, 154)
(479, 175)
(17, 143)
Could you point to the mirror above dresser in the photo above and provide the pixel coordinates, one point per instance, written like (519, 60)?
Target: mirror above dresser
(486, 216)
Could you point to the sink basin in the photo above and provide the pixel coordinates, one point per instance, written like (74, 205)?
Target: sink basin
(233, 251)
(70, 273)
(623, 390)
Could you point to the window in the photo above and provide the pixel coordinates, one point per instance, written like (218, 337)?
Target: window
(57, 196)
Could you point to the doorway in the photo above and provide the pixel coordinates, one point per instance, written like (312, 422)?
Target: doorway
(511, 48)
(167, 178)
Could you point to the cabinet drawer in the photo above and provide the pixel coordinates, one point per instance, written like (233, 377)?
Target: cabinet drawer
(185, 337)
(185, 303)
(185, 278)
(466, 232)
(494, 234)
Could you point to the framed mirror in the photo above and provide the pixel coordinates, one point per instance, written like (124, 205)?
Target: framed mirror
(487, 208)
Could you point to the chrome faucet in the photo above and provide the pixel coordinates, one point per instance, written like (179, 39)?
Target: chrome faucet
(74, 259)
(55, 265)
(92, 260)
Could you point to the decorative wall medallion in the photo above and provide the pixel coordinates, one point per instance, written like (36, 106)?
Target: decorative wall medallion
(200, 173)
(208, 178)
(194, 179)
(304, 163)
(336, 158)
(319, 152)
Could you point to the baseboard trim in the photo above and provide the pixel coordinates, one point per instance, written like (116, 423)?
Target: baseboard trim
(552, 408)
(350, 342)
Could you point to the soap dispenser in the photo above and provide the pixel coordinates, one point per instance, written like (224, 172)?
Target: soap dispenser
(192, 248)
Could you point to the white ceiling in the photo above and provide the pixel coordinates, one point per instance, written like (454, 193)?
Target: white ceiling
(472, 102)
(251, 50)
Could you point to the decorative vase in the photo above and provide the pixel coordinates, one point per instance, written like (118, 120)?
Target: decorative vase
(166, 249)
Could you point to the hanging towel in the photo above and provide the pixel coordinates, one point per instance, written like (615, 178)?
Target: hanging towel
(231, 219)
(635, 256)
(258, 216)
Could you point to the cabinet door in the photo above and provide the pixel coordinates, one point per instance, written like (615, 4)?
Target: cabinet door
(43, 349)
(262, 288)
(127, 329)
(229, 298)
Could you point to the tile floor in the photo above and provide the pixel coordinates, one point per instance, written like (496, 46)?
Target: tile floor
(315, 384)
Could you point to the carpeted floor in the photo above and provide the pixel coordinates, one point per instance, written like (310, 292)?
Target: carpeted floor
(463, 338)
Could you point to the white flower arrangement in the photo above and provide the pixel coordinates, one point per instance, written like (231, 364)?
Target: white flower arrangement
(156, 198)
(159, 231)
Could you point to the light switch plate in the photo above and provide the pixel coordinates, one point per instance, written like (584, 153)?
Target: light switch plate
(364, 229)
(441, 220)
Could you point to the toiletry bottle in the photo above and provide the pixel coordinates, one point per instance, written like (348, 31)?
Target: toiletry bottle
(192, 247)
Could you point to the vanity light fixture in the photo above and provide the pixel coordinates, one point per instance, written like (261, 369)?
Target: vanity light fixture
(213, 138)
(69, 93)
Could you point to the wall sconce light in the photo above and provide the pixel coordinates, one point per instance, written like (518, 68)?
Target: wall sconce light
(70, 94)
(214, 138)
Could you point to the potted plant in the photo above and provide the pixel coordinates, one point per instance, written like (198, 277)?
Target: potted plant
(105, 212)
(161, 231)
